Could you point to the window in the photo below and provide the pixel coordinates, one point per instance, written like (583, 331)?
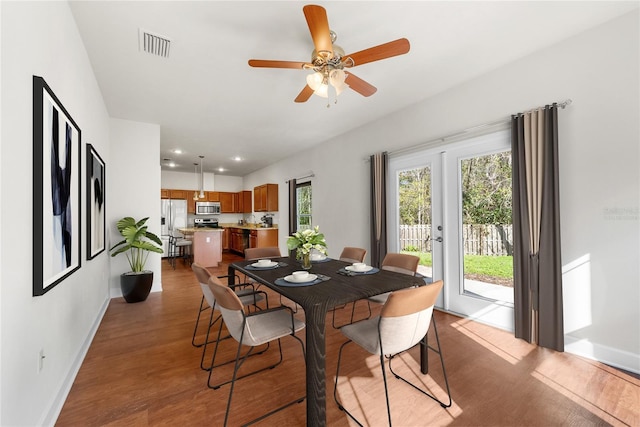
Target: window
(303, 197)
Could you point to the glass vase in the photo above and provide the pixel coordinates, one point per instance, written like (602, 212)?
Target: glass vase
(306, 261)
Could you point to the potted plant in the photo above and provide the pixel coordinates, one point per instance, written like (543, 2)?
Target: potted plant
(304, 241)
(138, 242)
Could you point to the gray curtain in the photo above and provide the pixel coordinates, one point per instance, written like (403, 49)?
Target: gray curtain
(536, 220)
(293, 209)
(379, 167)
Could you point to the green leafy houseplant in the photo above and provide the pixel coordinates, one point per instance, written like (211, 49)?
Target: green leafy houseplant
(137, 243)
(304, 241)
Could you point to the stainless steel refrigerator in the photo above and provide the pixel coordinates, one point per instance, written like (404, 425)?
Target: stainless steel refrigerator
(173, 216)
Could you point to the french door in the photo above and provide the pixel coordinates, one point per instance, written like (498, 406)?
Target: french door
(452, 207)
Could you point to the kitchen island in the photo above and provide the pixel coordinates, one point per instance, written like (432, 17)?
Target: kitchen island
(207, 245)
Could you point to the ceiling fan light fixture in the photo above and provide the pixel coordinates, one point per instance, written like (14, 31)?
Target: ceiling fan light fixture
(322, 91)
(315, 80)
(337, 78)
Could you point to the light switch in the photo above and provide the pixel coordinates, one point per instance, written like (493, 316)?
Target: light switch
(208, 239)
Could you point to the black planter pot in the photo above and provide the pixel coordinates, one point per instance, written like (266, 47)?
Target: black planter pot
(136, 286)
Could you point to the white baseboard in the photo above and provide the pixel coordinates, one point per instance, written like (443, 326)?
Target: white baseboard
(608, 355)
(57, 404)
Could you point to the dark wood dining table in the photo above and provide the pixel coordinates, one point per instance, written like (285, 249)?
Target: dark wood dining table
(316, 300)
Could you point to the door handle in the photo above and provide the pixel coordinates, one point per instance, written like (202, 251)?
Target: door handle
(438, 239)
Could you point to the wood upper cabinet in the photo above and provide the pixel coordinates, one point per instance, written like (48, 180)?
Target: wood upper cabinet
(228, 202)
(178, 194)
(265, 198)
(166, 193)
(244, 202)
(213, 196)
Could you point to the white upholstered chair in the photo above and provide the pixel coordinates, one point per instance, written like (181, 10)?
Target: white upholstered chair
(400, 263)
(247, 295)
(350, 254)
(254, 329)
(403, 322)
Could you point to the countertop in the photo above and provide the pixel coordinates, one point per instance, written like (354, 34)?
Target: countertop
(247, 226)
(191, 230)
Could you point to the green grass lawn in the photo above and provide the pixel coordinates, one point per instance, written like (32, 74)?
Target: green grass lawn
(493, 266)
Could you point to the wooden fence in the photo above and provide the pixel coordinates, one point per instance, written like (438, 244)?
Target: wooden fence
(479, 239)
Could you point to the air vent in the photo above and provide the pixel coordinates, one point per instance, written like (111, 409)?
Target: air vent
(154, 44)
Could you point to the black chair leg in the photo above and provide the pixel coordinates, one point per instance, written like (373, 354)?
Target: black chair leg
(444, 372)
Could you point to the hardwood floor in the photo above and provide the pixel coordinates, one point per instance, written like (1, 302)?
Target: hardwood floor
(142, 370)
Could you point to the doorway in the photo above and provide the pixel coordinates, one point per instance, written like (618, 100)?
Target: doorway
(451, 206)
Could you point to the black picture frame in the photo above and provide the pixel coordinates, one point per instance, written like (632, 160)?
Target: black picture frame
(96, 203)
(56, 190)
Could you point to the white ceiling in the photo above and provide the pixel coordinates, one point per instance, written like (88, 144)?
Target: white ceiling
(209, 102)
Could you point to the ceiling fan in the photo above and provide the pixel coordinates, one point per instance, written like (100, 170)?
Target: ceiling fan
(329, 60)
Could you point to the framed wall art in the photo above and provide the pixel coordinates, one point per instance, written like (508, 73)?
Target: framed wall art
(96, 212)
(56, 190)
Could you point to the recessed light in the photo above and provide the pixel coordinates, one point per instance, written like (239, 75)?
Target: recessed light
(220, 169)
(236, 158)
(172, 165)
(177, 151)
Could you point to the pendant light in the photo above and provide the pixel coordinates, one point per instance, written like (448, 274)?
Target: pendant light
(195, 173)
(201, 195)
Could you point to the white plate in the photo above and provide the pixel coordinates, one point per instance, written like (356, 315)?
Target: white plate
(270, 264)
(367, 268)
(309, 278)
(318, 257)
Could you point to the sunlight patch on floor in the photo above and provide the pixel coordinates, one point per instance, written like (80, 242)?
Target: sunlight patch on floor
(362, 394)
(493, 340)
(588, 391)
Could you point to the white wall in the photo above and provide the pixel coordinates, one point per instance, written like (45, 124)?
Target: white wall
(599, 164)
(134, 180)
(41, 39)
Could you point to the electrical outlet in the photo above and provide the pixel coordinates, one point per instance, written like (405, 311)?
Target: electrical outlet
(40, 360)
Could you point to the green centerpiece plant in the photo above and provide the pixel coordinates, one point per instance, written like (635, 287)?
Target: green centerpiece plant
(138, 242)
(304, 241)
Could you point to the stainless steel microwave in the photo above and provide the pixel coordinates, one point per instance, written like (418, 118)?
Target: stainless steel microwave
(207, 208)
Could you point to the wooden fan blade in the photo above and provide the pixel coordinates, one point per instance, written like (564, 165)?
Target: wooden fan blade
(319, 27)
(304, 95)
(276, 64)
(376, 53)
(359, 85)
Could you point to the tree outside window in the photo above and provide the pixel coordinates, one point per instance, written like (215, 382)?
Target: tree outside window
(303, 197)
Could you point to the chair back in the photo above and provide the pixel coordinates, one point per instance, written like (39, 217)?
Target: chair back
(203, 275)
(401, 263)
(260, 253)
(406, 316)
(230, 306)
(351, 254)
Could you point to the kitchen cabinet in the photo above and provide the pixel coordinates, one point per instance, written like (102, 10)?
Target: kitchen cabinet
(166, 193)
(238, 240)
(227, 202)
(226, 233)
(178, 194)
(244, 202)
(213, 196)
(263, 238)
(265, 198)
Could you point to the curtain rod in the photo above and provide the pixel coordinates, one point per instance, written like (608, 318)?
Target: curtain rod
(563, 104)
(311, 175)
